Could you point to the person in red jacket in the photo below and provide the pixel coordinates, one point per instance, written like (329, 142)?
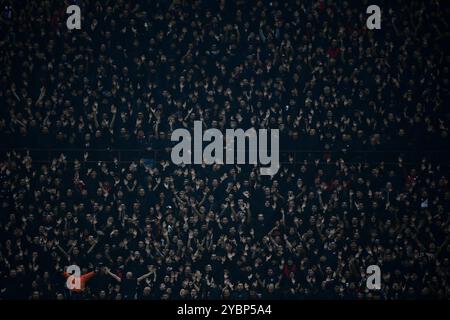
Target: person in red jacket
(84, 278)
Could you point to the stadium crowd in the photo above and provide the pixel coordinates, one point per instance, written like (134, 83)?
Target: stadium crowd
(363, 118)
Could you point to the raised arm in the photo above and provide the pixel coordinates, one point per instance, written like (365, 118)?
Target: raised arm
(114, 276)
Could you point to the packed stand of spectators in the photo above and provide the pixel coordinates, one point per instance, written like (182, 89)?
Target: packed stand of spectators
(363, 118)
